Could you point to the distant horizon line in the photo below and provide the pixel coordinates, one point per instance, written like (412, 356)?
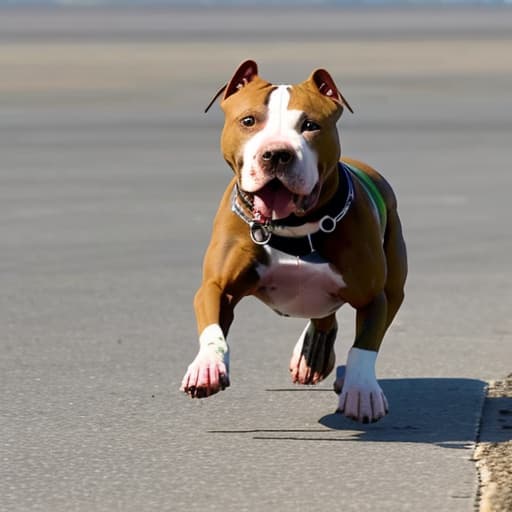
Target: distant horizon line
(248, 3)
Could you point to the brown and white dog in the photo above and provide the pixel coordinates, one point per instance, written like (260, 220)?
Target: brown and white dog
(302, 231)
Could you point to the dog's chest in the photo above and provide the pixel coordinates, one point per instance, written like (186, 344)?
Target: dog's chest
(299, 286)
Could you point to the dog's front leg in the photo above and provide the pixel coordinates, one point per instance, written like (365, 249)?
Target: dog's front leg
(361, 397)
(228, 275)
(209, 371)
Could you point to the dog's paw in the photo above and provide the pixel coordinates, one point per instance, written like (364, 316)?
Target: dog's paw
(361, 398)
(313, 357)
(209, 371)
(206, 375)
(365, 405)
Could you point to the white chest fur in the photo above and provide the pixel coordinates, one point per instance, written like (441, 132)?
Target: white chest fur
(299, 286)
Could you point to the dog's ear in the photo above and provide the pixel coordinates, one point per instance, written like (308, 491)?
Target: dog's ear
(244, 74)
(326, 86)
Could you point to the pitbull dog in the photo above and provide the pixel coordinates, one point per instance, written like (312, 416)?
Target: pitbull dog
(304, 232)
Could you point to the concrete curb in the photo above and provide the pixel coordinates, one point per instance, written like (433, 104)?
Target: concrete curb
(493, 452)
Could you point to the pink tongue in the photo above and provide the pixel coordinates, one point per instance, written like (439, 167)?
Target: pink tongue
(273, 201)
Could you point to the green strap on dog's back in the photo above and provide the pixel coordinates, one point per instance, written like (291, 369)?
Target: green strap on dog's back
(373, 193)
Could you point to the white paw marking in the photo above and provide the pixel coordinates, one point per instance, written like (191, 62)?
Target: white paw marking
(362, 398)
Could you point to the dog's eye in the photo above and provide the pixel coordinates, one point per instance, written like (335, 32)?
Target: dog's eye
(309, 126)
(248, 121)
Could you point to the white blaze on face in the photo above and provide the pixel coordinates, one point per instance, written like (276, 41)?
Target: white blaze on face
(282, 126)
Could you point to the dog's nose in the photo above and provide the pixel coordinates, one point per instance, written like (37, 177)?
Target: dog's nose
(277, 157)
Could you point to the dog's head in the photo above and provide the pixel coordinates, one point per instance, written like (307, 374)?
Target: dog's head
(281, 140)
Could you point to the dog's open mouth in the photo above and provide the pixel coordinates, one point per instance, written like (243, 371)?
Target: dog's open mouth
(275, 201)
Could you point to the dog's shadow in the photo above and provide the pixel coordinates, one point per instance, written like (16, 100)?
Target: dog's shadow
(442, 411)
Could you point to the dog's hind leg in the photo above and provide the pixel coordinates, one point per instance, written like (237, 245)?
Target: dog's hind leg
(313, 357)
(396, 257)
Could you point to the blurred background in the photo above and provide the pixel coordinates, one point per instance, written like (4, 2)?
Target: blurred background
(110, 174)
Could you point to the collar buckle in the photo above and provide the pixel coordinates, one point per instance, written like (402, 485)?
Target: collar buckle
(260, 233)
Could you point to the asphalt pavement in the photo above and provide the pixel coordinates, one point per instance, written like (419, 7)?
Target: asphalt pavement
(110, 174)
